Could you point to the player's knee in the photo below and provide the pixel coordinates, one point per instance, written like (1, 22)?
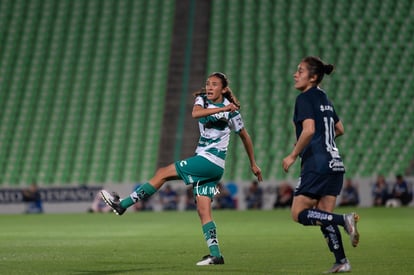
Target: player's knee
(300, 218)
(294, 216)
(164, 173)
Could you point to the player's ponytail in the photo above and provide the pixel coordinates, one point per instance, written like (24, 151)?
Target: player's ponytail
(317, 67)
(231, 97)
(328, 68)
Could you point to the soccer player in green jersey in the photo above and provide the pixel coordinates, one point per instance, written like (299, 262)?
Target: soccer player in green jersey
(217, 111)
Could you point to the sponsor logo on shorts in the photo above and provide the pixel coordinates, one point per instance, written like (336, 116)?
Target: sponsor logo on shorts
(336, 165)
(207, 190)
(298, 184)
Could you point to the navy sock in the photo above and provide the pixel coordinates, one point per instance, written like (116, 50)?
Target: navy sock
(334, 240)
(319, 217)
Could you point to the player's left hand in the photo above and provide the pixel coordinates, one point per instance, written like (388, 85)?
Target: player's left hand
(287, 162)
(231, 108)
(257, 172)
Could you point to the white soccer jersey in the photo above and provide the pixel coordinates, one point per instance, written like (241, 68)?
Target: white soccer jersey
(215, 131)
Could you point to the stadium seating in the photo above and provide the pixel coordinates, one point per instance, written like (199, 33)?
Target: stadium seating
(82, 89)
(82, 83)
(370, 42)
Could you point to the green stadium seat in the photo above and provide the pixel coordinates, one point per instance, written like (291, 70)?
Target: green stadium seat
(370, 44)
(71, 64)
(76, 77)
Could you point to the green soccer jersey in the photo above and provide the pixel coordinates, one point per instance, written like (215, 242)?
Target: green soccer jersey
(215, 131)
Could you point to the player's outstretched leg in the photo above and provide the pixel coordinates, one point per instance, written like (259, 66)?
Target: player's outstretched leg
(351, 227)
(113, 201)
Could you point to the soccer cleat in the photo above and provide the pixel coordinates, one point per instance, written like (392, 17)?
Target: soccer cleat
(208, 260)
(113, 201)
(339, 268)
(351, 228)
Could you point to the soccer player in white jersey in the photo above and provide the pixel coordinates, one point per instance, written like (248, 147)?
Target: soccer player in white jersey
(217, 111)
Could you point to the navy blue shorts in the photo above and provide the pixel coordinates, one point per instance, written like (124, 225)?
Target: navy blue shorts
(315, 185)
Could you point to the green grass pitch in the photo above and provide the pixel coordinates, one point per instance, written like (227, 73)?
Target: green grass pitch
(252, 242)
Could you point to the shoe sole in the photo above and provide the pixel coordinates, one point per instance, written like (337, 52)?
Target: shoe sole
(108, 203)
(209, 261)
(355, 237)
(204, 263)
(339, 269)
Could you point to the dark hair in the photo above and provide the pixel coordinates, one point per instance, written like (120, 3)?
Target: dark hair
(225, 82)
(317, 67)
(223, 77)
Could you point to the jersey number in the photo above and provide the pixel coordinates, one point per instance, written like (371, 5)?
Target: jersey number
(330, 137)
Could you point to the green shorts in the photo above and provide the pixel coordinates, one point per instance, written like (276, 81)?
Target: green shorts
(201, 173)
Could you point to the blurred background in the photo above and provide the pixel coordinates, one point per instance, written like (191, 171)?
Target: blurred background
(99, 92)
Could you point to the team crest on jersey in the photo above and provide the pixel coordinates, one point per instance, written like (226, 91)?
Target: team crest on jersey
(221, 115)
(217, 121)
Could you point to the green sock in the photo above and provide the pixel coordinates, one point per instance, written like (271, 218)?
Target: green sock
(143, 192)
(210, 234)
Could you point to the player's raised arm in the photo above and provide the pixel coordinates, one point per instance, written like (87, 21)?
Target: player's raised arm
(199, 111)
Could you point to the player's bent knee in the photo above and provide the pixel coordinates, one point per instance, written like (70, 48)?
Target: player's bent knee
(165, 172)
(295, 217)
(303, 217)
